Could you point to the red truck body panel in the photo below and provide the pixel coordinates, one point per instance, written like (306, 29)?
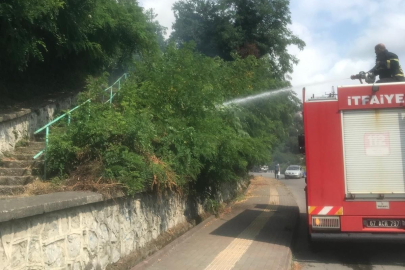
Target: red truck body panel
(325, 158)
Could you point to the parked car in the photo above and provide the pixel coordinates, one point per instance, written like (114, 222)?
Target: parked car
(294, 171)
(265, 168)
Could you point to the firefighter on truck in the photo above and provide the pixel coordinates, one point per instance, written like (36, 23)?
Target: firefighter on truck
(354, 145)
(387, 67)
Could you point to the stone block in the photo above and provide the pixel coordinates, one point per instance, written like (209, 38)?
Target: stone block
(128, 243)
(92, 242)
(34, 251)
(54, 254)
(73, 245)
(64, 223)
(89, 260)
(37, 225)
(76, 266)
(19, 254)
(115, 252)
(103, 262)
(51, 228)
(89, 222)
(3, 257)
(103, 233)
(6, 237)
(74, 220)
(20, 229)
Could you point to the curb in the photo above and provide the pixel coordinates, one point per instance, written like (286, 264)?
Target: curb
(155, 257)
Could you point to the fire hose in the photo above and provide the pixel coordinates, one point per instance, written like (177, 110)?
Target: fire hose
(366, 76)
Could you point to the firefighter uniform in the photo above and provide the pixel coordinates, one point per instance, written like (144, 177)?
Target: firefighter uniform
(388, 67)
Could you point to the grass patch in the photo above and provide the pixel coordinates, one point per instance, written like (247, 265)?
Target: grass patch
(240, 197)
(7, 154)
(22, 143)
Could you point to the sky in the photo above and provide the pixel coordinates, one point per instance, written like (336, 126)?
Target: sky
(340, 36)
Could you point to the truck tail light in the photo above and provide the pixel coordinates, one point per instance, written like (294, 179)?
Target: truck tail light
(325, 222)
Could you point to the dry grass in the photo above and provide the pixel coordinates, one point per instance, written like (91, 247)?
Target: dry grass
(88, 177)
(170, 182)
(37, 187)
(85, 178)
(296, 266)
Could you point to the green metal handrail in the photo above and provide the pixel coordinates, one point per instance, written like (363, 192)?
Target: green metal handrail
(68, 113)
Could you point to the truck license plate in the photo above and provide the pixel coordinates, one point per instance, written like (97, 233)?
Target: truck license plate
(385, 223)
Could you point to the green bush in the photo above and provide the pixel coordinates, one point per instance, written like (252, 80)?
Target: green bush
(168, 127)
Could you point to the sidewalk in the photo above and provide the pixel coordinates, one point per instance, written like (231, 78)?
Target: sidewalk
(255, 234)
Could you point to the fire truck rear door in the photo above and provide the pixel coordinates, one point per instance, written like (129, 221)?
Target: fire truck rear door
(374, 152)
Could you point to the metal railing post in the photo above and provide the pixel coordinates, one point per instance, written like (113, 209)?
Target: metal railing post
(46, 149)
(68, 114)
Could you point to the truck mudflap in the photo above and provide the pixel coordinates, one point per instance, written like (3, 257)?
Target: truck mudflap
(359, 237)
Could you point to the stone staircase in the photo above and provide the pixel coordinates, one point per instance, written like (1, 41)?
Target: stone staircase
(19, 168)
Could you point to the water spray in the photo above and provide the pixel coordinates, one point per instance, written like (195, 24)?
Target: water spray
(276, 91)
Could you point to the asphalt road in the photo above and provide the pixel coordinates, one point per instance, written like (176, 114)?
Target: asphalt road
(357, 256)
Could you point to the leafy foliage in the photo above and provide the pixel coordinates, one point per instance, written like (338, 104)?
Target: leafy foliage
(287, 153)
(249, 27)
(51, 45)
(168, 127)
(105, 30)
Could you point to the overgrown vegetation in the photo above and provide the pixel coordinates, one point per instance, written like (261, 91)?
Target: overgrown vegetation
(168, 128)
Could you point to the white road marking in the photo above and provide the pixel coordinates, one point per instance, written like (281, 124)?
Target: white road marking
(227, 258)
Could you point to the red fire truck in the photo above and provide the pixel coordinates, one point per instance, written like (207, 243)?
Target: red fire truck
(355, 157)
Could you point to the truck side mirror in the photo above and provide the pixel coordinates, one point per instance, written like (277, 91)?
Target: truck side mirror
(301, 143)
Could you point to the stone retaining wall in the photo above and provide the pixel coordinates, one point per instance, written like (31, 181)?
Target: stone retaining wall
(92, 236)
(23, 123)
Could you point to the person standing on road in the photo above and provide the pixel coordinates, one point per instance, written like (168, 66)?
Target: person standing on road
(276, 170)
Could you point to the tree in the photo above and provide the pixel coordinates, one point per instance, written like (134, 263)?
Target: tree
(55, 44)
(158, 29)
(38, 30)
(169, 126)
(248, 27)
(287, 153)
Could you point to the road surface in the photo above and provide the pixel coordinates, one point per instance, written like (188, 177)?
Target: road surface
(254, 234)
(357, 256)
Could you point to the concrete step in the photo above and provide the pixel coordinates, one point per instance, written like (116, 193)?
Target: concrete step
(39, 138)
(17, 156)
(38, 142)
(11, 190)
(34, 145)
(15, 180)
(20, 163)
(27, 150)
(15, 172)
